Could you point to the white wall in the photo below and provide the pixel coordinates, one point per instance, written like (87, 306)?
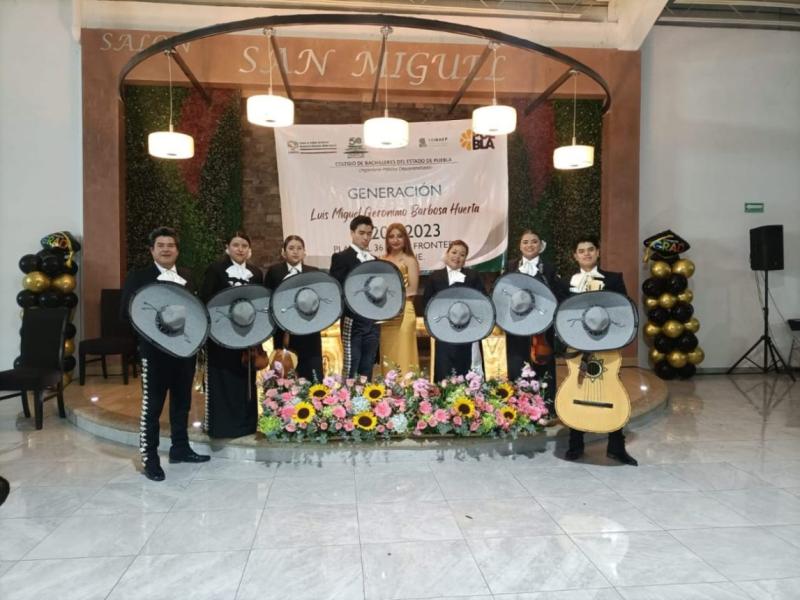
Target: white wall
(40, 142)
(721, 127)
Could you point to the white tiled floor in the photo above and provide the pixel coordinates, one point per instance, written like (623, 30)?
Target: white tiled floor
(713, 512)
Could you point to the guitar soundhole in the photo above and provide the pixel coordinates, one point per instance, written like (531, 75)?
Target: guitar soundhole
(594, 369)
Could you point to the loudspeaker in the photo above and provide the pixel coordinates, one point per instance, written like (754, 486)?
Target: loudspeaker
(766, 248)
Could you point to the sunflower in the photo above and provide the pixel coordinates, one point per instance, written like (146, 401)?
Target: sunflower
(303, 412)
(509, 413)
(374, 392)
(464, 407)
(504, 391)
(318, 391)
(365, 420)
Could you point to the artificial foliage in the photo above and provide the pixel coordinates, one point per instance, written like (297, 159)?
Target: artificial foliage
(200, 197)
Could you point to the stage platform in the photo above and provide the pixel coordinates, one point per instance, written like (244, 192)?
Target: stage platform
(110, 410)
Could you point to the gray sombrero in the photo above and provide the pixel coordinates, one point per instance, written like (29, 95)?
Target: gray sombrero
(170, 317)
(307, 303)
(524, 305)
(459, 315)
(596, 321)
(374, 290)
(240, 316)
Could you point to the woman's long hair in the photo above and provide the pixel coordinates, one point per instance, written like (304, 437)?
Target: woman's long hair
(406, 240)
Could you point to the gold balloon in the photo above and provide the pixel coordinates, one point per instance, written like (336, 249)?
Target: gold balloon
(692, 325)
(66, 379)
(660, 269)
(36, 282)
(69, 347)
(676, 358)
(696, 356)
(656, 356)
(650, 303)
(685, 296)
(672, 328)
(683, 267)
(652, 330)
(667, 300)
(64, 283)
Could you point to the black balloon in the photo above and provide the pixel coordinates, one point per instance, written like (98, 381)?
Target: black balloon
(68, 363)
(18, 362)
(29, 263)
(50, 299)
(72, 269)
(664, 370)
(682, 312)
(686, 342)
(676, 283)
(658, 315)
(70, 331)
(70, 300)
(52, 265)
(664, 344)
(686, 371)
(653, 287)
(27, 298)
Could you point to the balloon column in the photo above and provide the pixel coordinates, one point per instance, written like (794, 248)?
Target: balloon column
(671, 325)
(50, 281)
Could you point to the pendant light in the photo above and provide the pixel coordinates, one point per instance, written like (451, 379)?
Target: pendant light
(269, 110)
(574, 156)
(495, 119)
(385, 132)
(170, 144)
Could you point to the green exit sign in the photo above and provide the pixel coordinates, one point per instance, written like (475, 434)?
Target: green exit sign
(754, 207)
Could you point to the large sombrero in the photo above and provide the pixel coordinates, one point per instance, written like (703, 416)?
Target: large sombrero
(170, 317)
(374, 290)
(524, 305)
(459, 315)
(596, 321)
(240, 316)
(307, 303)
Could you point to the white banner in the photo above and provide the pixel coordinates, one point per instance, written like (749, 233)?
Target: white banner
(447, 184)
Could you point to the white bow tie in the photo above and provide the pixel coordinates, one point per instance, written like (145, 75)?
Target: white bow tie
(237, 271)
(296, 270)
(171, 275)
(364, 256)
(580, 281)
(454, 276)
(531, 267)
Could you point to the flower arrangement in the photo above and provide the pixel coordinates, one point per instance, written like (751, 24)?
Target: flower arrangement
(398, 406)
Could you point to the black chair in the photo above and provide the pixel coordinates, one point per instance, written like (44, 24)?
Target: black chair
(42, 350)
(116, 337)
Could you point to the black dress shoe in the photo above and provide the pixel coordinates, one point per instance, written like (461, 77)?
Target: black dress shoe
(188, 456)
(153, 471)
(5, 489)
(573, 453)
(623, 457)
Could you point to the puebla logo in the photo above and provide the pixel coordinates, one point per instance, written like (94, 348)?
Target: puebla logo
(475, 141)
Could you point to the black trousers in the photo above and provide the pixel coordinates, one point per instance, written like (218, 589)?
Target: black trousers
(451, 359)
(616, 440)
(162, 373)
(309, 353)
(360, 339)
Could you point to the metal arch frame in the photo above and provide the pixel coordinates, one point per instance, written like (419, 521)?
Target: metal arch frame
(370, 20)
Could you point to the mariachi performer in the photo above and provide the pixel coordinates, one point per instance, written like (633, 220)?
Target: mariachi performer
(591, 278)
(536, 350)
(231, 409)
(172, 325)
(308, 348)
(455, 323)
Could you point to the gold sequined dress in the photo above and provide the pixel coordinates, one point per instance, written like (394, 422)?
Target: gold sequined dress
(399, 336)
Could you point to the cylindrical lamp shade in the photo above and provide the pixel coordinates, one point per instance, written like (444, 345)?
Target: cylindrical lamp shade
(170, 144)
(268, 110)
(495, 119)
(385, 132)
(573, 157)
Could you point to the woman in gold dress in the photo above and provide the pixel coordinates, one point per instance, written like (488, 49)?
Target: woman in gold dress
(399, 336)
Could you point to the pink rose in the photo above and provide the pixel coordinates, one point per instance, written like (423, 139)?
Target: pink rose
(382, 409)
(421, 425)
(389, 425)
(348, 426)
(432, 422)
(286, 396)
(339, 412)
(287, 412)
(323, 426)
(271, 393)
(303, 425)
(380, 429)
(441, 415)
(337, 426)
(425, 407)
(457, 421)
(344, 394)
(474, 426)
(317, 404)
(290, 427)
(349, 382)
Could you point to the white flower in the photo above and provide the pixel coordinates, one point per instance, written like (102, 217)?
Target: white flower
(400, 423)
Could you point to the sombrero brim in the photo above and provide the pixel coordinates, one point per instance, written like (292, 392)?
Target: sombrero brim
(439, 326)
(536, 321)
(283, 298)
(229, 335)
(621, 331)
(357, 300)
(158, 295)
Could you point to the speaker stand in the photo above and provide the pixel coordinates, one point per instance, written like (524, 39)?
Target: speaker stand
(770, 351)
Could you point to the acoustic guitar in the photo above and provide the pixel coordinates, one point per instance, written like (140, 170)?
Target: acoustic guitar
(592, 398)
